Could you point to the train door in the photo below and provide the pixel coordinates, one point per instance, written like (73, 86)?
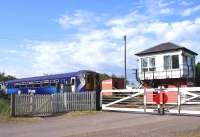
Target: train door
(73, 84)
(90, 82)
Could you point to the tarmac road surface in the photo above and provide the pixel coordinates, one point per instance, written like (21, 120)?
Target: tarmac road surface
(105, 124)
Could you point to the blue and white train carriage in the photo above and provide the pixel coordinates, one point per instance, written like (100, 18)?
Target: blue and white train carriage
(80, 81)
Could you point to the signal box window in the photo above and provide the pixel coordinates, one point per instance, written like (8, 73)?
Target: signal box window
(148, 64)
(171, 62)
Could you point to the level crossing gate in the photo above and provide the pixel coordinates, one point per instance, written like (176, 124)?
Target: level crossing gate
(181, 101)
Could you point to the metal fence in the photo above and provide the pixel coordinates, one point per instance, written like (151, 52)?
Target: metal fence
(46, 105)
(180, 101)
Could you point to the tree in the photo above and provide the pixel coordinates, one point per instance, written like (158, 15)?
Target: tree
(113, 76)
(104, 76)
(198, 70)
(4, 77)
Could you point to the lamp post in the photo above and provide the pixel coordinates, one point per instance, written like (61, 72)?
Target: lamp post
(125, 61)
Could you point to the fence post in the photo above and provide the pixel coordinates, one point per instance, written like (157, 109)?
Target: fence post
(32, 104)
(98, 95)
(52, 108)
(179, 101)
(145, 99)
(159, 105)
(65, 102)
(13, 105)
(101, 99)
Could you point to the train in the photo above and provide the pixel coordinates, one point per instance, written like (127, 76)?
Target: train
(80, 81)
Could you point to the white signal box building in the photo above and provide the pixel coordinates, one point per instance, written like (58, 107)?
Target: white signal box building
(167, 63)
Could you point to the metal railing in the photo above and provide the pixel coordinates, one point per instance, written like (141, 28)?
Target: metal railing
(184, 71)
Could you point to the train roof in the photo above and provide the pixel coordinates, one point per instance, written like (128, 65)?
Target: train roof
(50, 77)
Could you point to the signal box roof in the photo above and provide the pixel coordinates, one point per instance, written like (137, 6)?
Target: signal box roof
(164, 47)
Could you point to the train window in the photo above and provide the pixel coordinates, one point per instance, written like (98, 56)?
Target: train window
(52, 81)
(57, 81)
(36, 85)
(22, 86)
(10, 86)
(72, 82)
(53, 84)
(30, 85)
(89, 78)
(45, 84)
(16, 86)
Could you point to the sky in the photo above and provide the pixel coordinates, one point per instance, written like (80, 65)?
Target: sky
(40, 37)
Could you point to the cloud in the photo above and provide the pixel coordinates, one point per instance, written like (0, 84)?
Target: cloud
(166, 10)
(157, 8)
(190, 11)
(102, 49)
(185, 3)
(100, 46)
(75, 19)
(94, 53)
(184, 30)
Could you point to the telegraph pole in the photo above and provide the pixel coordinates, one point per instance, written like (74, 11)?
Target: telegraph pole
(125, 61)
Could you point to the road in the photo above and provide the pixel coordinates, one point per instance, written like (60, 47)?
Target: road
(104, 124)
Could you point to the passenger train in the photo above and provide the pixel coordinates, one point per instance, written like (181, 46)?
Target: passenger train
(79, 81)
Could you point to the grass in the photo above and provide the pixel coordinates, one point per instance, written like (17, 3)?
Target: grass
(4, 107)
(5, 116)
(81, 113)
(8, 119)
(5, 119)
(190, 134)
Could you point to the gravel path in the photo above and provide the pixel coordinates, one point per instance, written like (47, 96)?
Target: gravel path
(104, 124)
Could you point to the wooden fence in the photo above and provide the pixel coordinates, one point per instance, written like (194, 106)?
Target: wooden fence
(46, 105)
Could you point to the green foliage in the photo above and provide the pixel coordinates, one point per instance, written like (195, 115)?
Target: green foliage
(104, 76)
(5, 99)
(4, 77)
(114, 76)
(5, 107)
(198, 70)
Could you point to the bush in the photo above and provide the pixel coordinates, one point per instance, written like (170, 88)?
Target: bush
(4, 107)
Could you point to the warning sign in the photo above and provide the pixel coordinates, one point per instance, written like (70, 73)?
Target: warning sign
(160, 98)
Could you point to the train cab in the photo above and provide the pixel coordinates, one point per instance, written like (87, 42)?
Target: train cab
(91, 81)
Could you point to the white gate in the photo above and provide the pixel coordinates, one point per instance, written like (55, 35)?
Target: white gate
(169, 101)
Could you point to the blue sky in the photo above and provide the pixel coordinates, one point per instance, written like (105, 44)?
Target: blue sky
(46, 37)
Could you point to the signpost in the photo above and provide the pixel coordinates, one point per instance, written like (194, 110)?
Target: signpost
(161, 99)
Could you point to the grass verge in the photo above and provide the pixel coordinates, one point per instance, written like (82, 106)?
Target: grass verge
(190, 134)
(4, 119)
(5, 112)
(4, 107)
(82, 113)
